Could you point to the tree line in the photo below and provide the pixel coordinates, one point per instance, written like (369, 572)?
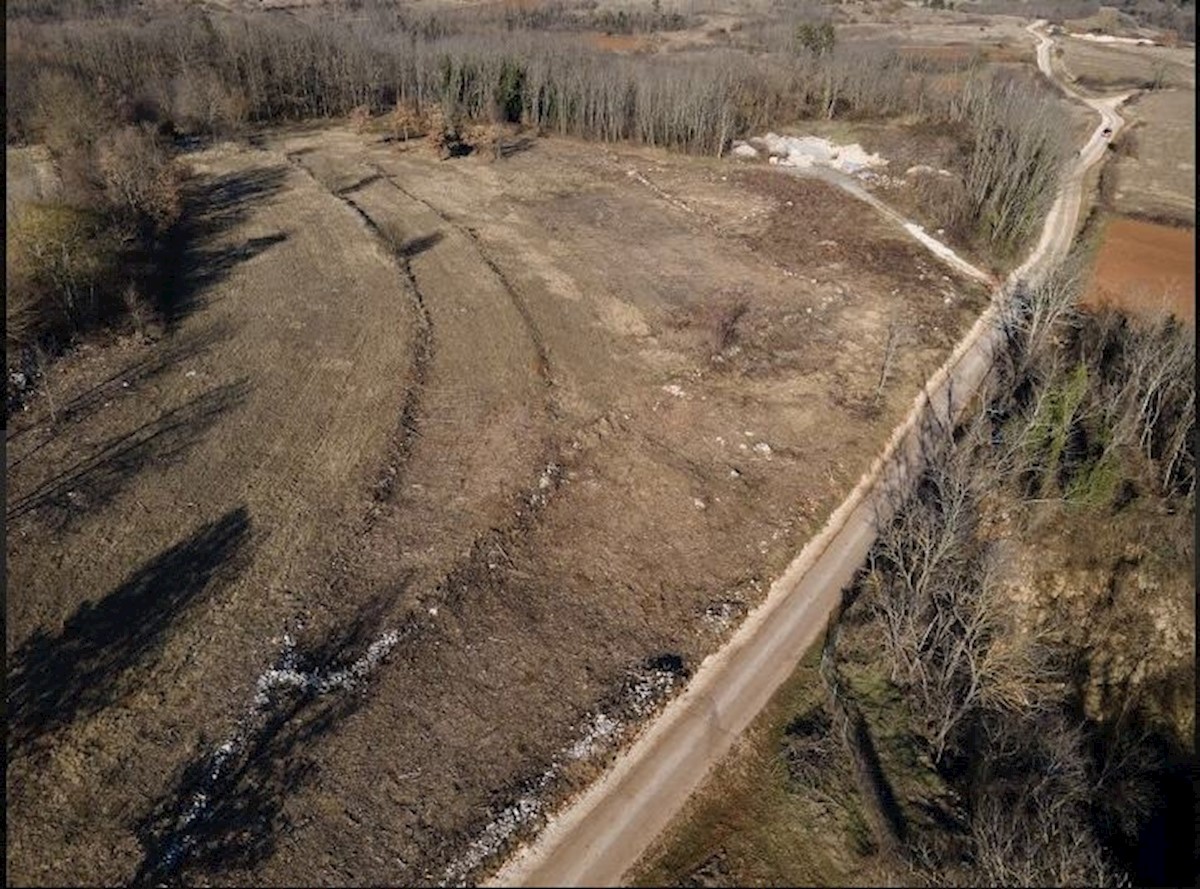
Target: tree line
(201, 73)
(90, 85)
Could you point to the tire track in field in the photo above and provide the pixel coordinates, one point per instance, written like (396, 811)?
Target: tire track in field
(423, 348)
(544, 368)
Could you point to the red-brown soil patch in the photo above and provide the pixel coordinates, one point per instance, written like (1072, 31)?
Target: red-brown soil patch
(620, 42)
(1144, 267)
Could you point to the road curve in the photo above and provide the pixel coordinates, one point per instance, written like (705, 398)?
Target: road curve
(599, 836)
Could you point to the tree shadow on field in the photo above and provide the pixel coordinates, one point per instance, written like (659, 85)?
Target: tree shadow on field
(225, 810)
(417, 246)
(153, 364)
(96, 479)
(213, 205)
(55, 679)
(509, 147)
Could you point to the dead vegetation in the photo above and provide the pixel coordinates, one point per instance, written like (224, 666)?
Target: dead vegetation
(90, 254)
(1082, 418)
(209, 73)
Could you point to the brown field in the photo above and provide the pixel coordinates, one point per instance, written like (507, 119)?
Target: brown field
(1105, 68)
(1154, 175)
(1144, 269)
(601, 393)
(620, 43)
(962, 53)
(920, 26)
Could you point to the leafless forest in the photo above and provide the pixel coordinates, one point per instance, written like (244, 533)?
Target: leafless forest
(110, 92)
(1099, 416)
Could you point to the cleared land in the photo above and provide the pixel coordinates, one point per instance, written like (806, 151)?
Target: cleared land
(1102, 67)
(1145, 269)
(1154, 175)
(586, 405)
(167, 521)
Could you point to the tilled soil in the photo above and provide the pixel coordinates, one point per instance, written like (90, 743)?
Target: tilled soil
(542, 418)
(1145, 269)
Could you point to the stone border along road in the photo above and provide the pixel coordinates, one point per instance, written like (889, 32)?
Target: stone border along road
(596, 839)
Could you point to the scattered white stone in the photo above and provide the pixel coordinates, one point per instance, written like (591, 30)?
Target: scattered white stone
(763, 448)
(433, 611)
(744, 149)
(602, 727)
(1110, 38)
(644, 695)
(698, 503)
(673, 389)
(808, 151)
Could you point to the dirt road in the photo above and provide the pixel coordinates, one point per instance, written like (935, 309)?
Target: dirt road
(852, 187)
(596, 839)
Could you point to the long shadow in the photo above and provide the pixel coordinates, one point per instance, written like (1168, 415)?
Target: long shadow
(55, 679)
(213, 205)
(226, 809)
(520, 145)
(95, 480)
(418, 245)
(128, 378)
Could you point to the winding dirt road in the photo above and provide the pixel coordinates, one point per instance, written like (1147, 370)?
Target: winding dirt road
(604, 832)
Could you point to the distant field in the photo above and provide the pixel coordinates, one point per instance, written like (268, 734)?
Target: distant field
(1100, 67)
(1155, 174)
(1145, 268)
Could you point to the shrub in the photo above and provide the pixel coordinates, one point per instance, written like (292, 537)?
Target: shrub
(203, 102)
(68, 114)
(405, 122)
(360, 118)
(141, 181)
(62, 262)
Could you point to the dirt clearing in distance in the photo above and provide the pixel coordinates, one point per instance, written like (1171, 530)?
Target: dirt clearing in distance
(1104, 67)
(1145, 268)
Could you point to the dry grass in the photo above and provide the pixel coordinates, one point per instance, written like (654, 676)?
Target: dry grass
(1154, 176)
(1107, 67)
(547, 281)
